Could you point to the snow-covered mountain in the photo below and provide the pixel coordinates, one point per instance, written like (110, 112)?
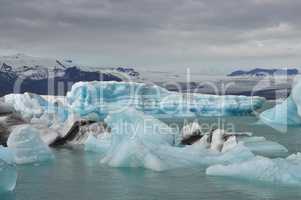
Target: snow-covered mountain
(260, 72)
(23, 73)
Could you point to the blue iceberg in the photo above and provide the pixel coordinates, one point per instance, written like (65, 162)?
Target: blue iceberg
(287, 113)
(27, 146)
(140, 140)
(96, 99)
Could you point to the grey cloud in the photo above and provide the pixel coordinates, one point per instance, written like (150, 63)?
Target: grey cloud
(173, 32)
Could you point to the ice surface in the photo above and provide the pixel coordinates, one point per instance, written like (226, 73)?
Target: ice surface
(95, 99)
(8, 171)
(276, 171)
(27, 146)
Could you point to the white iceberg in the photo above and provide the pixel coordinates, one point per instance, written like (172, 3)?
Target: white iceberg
(33, 107)
(276, 171)
(29, 105)
(8, 171)
(27, 146)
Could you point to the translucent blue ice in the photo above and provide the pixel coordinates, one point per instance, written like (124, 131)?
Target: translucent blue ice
(98, 98)
(27, 146)
(8, 171)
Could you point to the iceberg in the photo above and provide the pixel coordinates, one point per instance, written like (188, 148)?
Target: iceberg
(221, 141)
(281, 171)
(94, 100)
(287, 113)
(33, 107)
(140, 140)
(29, 105)
(27, 146)
(8, 171)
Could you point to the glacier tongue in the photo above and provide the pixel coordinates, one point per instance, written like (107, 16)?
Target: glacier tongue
(8, 171)
(27, 146)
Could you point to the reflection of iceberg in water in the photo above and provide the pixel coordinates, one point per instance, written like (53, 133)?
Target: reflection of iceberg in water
(8, 171)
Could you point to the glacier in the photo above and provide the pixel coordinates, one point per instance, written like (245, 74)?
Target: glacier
(27, 146)
(280, 171)
(8, 171)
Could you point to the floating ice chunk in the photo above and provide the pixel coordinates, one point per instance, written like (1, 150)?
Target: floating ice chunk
(27, 146)
(35, 108)
(277, 171)
(285, 113)
(8, 171)
(29, 105)
(140, 140)
(222, 141)
(95, 100)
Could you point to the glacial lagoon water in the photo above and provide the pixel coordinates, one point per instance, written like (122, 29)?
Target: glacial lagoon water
(78, 175)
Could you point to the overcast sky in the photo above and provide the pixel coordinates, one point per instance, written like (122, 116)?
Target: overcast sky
(206, 35)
